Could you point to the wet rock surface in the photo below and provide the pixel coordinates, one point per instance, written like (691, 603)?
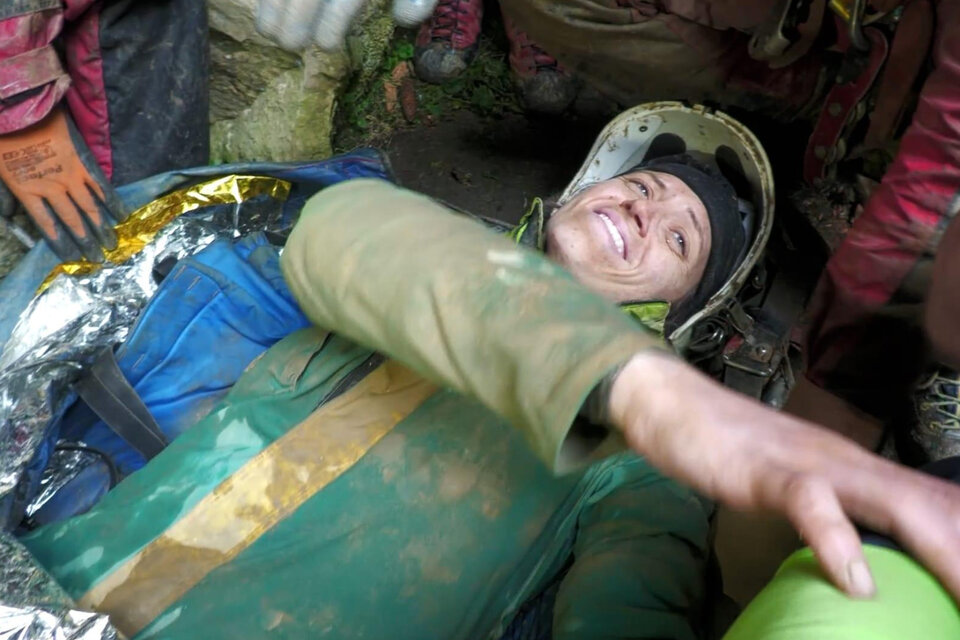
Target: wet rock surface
(271, 104)
(267, 103)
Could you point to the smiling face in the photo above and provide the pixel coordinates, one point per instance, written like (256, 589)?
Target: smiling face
(641, 236)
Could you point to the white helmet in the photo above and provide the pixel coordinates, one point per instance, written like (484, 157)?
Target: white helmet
(658, 129)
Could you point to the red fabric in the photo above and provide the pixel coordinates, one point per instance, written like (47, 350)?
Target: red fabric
(73, 9)
(29, 70)
(454, 21)
(87, 97)
(526, 57)
(901, 222)
(20, 35)
(27, 64)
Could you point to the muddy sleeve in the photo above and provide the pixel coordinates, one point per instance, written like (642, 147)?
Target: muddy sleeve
(639, 561)
(463, 306)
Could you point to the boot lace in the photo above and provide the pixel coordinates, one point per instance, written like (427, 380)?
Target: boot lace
(448, 18)
(938, 400)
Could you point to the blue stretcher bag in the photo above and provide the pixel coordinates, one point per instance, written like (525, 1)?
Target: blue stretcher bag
(213, 314)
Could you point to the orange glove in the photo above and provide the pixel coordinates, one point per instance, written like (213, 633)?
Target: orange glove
(43, 169)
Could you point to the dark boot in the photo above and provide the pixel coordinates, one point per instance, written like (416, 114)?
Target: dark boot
(448, 41)
(545, 86)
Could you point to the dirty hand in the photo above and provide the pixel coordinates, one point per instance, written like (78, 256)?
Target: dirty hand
(293, 24)
(42, 168)
(750, 457)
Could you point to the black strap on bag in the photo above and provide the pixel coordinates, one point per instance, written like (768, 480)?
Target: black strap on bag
(106, 391)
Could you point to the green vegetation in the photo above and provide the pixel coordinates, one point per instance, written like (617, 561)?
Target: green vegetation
(486, 88)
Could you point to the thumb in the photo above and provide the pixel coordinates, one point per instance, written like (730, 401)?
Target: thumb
(812, 506)
(288, 22)
(410, 13)
(334, 22)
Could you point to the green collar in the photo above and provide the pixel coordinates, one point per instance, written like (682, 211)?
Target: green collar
(529, 231)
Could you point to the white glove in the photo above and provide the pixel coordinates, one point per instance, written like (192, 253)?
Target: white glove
(293, 24)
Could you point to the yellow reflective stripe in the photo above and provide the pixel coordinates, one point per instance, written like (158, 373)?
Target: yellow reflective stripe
(268, 488)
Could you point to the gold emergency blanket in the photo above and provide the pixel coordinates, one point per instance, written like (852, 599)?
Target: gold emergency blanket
(139, 229)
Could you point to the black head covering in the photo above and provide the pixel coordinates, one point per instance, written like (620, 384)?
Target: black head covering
(727, 237)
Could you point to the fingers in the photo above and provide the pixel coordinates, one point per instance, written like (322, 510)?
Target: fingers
(939, 554)
(410, 13)
(813, 507)
(83, 198)
(44, 219)
(927, 524)
(75, 223)
(55, 234)
(919, 511)
(268, 17)
(334, 22)
(62, 206)
(95, 187)
(95, 211)
(289, 23)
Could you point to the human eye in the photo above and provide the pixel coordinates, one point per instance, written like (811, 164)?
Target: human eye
(640, 187)
(681, 242)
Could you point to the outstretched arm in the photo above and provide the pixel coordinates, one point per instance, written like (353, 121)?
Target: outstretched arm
(399, 273)
(750, 457)
(463, 306)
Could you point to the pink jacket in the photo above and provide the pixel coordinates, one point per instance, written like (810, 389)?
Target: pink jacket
(856, 302)
(33, 79)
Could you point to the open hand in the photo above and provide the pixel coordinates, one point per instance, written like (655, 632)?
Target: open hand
(43, 169)
(750, 457)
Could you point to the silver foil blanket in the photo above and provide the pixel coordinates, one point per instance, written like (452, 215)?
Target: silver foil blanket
(66, 463)
(34, 607)
(63, 329)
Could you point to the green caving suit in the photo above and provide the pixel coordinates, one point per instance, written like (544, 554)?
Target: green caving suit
(335, 495)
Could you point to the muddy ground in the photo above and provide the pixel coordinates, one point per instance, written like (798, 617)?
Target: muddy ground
(491, 167)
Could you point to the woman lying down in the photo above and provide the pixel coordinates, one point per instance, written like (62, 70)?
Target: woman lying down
(526, 459)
